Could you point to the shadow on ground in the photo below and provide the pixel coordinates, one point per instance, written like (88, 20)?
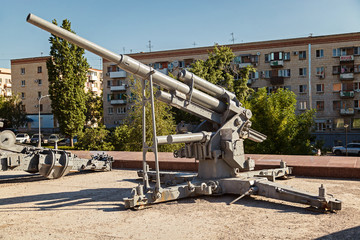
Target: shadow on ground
(92, 198)
(351, 233)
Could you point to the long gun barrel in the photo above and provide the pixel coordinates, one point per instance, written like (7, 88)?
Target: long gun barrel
(131, 65)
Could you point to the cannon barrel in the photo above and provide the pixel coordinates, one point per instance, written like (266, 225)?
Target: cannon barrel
(131, 65)
(204, 85)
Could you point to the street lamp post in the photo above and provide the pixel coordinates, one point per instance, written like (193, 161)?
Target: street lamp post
(346, 127)
(41, 97)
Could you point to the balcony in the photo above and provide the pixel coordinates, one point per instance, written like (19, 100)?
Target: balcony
(277, 80)
(347, 111)
(94, 89)
(118, 88)
(277, 63)
(120, 74)
(7, 94)
(7, 85)
(347, 58)
(346, 94)
(117, 101)
(242, 65)
(346, 76)
(93, 78)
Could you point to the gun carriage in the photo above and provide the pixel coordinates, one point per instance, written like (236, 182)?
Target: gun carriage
(50, 163)
(217, 143)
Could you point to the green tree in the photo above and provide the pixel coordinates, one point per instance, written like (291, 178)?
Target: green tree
(67, 68)
(128, 137)
(94, 111)
(274, 115)
(95, 139)
(10, 110)
(220, 70)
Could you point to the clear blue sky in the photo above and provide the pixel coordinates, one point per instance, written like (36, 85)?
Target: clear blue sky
(129, 25)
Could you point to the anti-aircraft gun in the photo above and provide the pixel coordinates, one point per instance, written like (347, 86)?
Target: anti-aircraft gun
(50, 163)
(217, 143)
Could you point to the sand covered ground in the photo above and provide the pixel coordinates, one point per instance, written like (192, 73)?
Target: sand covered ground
(90, 206)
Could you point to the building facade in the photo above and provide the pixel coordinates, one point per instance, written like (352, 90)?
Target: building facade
(323, 72)
(5, 82)
(30, 82)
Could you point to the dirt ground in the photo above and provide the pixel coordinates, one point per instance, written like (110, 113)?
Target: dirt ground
(90, 206)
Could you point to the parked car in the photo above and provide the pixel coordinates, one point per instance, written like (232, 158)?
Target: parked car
(54, 138)
(68, 140)
(22, 138)
(352, 149)
(35, 138)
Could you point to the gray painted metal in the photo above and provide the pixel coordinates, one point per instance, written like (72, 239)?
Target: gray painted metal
(50, 163)
(217, 143)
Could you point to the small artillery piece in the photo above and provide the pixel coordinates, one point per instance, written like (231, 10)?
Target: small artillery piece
(50, 163)
(217, 143)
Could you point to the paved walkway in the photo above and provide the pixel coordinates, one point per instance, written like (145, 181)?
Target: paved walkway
(303, 165)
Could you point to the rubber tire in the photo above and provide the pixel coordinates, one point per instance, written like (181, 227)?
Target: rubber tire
(337, 152)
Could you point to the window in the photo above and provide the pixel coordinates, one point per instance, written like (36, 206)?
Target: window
(320, 126)
(319, 105)
(41, 107)
(287, 88)
(267, 58)
(22, 95)
(110, 110)
(39, 69)
(121, 110)
(22, 71)
(39, 95)
(336, 87)
(302, 105)
(267, 73)
(302, 55)
(320, 71)
(109, 83)
(336, 52)
(108, 69)
(302, 88)
(356, 104)
(287, 56)
(23, 108)
(302, 72)
(319, 88)
(39, 82)
(336, 105)
(356, 86)
(343, 52)
(339, 123)
(356, 50)
(336, 69)
(356, 123)
(22, 83)
(109, 97)
(348, 86)
(284, 73)
(276, 56)
(320, 53)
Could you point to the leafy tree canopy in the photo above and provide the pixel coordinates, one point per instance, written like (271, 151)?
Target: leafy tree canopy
(11, 112)
(274, 115)
(128, 137)
(67, 69)
(219, 69)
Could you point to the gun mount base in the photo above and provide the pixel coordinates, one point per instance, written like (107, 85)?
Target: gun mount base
(260, 183)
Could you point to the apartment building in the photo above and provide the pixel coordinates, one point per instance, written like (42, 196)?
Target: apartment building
(30, 82)
(5, 82)
(322, 71)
